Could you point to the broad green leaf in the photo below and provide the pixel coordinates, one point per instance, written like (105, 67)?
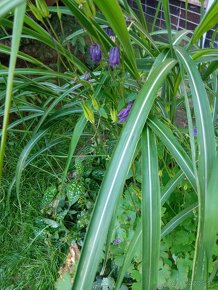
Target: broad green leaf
(151, 211)
(115, 177)
(209, 21)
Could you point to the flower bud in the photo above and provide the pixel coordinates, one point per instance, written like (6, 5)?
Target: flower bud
(88, 112)
(95, 103)
(124, 113)
(113, 114)
(117, 241)
(114, 57)
(43, 8)
(95, 53)
(36, 12)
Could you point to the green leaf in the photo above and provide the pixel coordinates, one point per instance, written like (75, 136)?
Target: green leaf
(171, 185)
(115, 177)
(168, 21)
(209, 20)
(178, 219)
(8, 5)
(17, 30)
(211, 203)
(80, 125)
(151, 211)
(53, 224)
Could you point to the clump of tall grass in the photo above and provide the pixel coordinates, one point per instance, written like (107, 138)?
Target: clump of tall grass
(155, 77)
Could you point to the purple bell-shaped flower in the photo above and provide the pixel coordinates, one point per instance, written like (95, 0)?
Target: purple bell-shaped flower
(124, 113)
(114, 57)
(95, 52)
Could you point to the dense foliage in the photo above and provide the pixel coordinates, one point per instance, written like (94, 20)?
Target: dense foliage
(108, 157)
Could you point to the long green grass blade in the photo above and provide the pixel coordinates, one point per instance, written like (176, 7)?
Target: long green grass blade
(142, 15)
(215, 101)
(8, 5)
(74, 141)
(35, 71)
(151, 211)
(211, 202)
(178, 219)
(17, 29)
(168, 21)
(208, 21)
(5, 49)
(171, 185)
(115, 177)
(23, 156)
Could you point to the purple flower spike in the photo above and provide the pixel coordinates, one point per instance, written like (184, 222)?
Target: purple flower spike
(114, 57)
(195, 132)
(117, 241)
(95, 53)
(124, 113)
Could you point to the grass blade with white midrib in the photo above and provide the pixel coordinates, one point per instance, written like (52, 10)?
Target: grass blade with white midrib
(151, 211)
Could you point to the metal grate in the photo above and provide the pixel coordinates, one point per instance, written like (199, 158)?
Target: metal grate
(180, 19)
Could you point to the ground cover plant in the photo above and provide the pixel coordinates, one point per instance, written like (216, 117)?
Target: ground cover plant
(101, 188)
